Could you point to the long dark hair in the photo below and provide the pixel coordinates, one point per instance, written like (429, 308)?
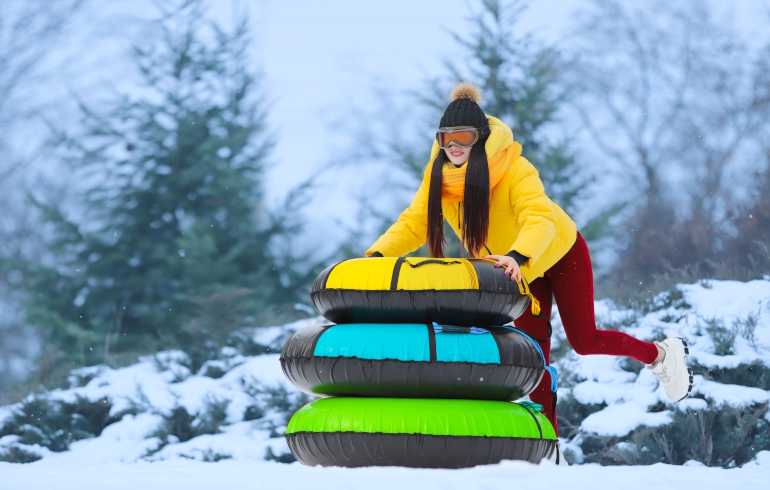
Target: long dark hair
(474, 210)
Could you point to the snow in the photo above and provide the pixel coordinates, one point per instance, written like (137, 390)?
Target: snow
(123, 442)
(236, 474)
(733, 395)
(130, 453)
(239, 441)
(621, 418)
(5, 413)
(162, 382)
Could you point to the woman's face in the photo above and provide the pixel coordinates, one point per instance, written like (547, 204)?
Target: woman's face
(457, 154)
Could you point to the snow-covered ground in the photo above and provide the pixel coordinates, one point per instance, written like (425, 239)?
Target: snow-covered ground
(190, 475)
(133, 453)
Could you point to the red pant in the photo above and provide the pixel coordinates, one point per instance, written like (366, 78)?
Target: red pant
(571, 282)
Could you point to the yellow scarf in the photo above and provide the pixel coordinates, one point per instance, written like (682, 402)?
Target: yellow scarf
(453, 178)
(501, 151)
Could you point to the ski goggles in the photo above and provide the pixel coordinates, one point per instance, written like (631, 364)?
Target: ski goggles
(465, 136)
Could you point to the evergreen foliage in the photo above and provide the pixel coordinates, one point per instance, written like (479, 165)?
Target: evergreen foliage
(753, 375)
(520, 82)
(286, 458)
(521, 85)
(281, 403)
(570, 413)
(18, 456)
(56, 424)
(716, 436)
(182, 425)
(686, 124)
(722, 336)
(212, 457)
(173, 246)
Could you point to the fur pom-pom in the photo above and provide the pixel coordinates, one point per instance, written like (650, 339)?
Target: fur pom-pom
(465, 90)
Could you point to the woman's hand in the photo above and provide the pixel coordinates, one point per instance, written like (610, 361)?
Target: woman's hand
(511, 267)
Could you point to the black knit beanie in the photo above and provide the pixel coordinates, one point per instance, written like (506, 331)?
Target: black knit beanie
(464, 110)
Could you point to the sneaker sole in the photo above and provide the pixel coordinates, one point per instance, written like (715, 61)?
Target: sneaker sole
(689, 371)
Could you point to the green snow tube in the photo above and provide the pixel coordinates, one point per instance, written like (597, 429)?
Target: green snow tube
(419, 433)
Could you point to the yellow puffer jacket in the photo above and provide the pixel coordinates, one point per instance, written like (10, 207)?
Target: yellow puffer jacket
(521, 216)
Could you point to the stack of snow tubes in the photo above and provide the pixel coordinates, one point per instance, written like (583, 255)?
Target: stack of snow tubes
(418, 368)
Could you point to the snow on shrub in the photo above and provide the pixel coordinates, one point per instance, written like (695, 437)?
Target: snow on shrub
(158, 409)
(613, 412)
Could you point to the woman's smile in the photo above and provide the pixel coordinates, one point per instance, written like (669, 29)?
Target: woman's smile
(457, 154)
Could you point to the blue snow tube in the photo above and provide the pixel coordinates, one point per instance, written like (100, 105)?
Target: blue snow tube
(410, 360)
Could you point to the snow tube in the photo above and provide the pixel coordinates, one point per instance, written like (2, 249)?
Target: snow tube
(412, 361)
(422, 433)
(462, 292)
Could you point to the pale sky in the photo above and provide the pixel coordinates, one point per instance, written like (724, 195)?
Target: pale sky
(319, 60)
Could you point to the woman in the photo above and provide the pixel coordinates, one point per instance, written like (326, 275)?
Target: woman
(495, 202)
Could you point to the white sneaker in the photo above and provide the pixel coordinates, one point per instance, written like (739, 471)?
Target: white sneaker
(672, 370)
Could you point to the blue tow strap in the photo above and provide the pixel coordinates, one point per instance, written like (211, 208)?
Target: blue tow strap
(479, 331)
(551, 370)
(454, 329)
(554, 381)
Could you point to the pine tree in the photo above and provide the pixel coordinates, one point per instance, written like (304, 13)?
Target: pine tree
(174, 247)
(521, 85)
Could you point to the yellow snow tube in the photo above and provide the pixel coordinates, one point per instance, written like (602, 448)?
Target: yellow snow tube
(463, 292)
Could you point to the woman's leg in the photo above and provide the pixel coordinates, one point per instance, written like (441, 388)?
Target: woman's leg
(536, 327)
(572, 282)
